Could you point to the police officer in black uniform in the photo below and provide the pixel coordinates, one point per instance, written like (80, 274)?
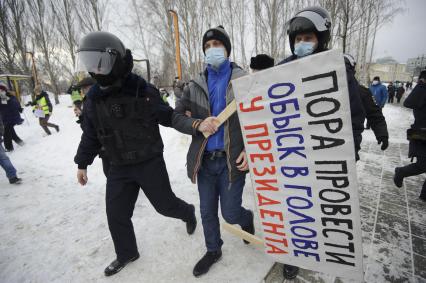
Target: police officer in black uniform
(121, 114)
(373, 112)
(416, 135)
(309, 32)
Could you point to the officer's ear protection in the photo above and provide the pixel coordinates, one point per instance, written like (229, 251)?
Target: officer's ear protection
(128, 60)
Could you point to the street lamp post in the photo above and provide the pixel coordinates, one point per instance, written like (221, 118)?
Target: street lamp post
(35, 76)
(176, 27)
(34, 69)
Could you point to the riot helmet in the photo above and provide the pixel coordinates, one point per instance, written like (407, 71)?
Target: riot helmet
(104, 57)
(350, 60)
(312, 19)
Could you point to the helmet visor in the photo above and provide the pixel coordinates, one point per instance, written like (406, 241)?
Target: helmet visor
(98, 62)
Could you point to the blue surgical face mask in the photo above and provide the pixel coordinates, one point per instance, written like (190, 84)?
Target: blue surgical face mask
(303, 48)
(215, 56)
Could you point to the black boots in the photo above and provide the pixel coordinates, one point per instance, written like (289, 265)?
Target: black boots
(116, 266)
(290, 271)
(15, 180)
(249, 228)
(398, 178)
(191, 224)
(204, 264)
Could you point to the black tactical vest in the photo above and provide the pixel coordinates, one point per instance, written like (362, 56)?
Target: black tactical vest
(127, 127)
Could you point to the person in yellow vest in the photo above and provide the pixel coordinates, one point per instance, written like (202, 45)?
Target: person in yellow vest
(76, 97)
(42, 102)
(83, 87)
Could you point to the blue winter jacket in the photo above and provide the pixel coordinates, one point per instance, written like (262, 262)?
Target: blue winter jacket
(217, 82)
(10, 112)
(380, 94)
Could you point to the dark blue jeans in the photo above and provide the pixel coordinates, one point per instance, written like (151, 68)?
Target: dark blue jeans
(6, 164)
(214, 185)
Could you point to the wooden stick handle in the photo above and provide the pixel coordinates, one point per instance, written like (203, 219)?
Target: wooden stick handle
(225, 114)
(243, 234)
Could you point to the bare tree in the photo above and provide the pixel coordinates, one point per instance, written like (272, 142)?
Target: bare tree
(64, 13)
(91, 14)
(6, 51)
(44, 38)
(241, 27)
(18, 24)
(141, 32)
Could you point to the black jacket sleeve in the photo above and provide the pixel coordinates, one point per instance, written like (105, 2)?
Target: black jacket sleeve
(181, 122)
(373, 113)
(162, 111)
(89, 145)
(357, 109)
(417, 97)
(1, 128)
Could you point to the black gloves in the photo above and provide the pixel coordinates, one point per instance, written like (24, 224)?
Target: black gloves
(384, 141)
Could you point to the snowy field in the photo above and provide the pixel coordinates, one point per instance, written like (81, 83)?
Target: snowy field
(54, 230)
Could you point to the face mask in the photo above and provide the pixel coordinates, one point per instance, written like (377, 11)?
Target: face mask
(104, 80)
(215, 56)
(303, 48)
(375, 82)
(3, 97)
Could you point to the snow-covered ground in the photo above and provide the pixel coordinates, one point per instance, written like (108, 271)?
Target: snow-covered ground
(54, 230)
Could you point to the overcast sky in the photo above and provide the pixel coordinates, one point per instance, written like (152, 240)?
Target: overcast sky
(405, 37)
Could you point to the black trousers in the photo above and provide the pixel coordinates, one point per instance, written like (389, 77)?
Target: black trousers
(9, 136)
(105, 165)
(45, 124)
(414, 169)
(390, 98)
(123, 184)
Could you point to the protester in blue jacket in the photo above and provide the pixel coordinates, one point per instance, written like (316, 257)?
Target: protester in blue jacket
(379, 92)
(219, 163)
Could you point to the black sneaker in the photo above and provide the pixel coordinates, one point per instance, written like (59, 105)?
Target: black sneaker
(191, 224)
(15, 180)
(116, 266)
(249, 228)
(57, 128)
(290, 271)
(204, 264)
(397, 178)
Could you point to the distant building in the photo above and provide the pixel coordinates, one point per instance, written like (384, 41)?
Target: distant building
(415, 65)
(386, 60)
(389, 72)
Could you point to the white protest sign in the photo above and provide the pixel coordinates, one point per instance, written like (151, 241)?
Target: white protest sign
(296, 123)
(39, 113)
